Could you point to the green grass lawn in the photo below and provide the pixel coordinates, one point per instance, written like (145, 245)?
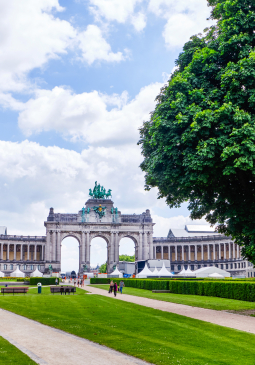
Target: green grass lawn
(159, 337)
(192, 300)
(9, 354)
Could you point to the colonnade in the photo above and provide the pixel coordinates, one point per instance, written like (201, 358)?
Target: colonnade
(21, 252)
(197, 252)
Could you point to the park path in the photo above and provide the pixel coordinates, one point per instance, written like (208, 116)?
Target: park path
(222, 318)
(47, 345)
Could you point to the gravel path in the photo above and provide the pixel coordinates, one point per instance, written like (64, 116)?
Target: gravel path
(222, 318)
(47, 345)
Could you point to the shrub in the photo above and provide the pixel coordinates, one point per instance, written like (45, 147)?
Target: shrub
(240, 290)
(43, 281)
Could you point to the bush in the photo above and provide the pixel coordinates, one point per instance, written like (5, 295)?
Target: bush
(43, 281)
(240, 290)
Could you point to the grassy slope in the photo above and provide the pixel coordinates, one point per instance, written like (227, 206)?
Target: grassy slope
(193, 300)
(9, 354)
(152, 335)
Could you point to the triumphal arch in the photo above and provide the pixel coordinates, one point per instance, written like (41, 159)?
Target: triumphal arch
(98, 218)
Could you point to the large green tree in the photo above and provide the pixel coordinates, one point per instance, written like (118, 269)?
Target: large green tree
(199, 145)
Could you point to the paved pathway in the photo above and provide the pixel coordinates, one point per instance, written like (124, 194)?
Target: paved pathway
(47, 345)
(222, 318)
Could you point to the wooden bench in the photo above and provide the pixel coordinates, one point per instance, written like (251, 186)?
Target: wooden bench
(161, 291)
(63, 289)
(9, 289)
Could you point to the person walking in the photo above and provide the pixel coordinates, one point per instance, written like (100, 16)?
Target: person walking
(56, 281)
(122, 284)
(111, 287)
(115, 288)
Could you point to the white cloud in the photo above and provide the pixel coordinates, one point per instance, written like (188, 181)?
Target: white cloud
(119, 11)
(94, 47)
(92, 117)
(29, 36)
(184, 19)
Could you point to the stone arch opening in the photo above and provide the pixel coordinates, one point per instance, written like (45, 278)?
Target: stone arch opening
(69, 256)
(99, 252)
(128, 246)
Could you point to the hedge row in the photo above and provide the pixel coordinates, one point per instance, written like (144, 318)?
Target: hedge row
(222, 289)
(43, 281)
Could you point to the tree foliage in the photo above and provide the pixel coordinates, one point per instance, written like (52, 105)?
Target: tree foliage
(103, 268)
(127, 258)
(199, 145)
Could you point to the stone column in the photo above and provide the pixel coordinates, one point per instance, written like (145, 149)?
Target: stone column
(189, 253)
(182, 253)
(151, 246)
(21, 252)
(214, 254)
(88, 249)
(53, 245)
(234, 250)
(2, 251)
(202, 252)
(58, 258)
(169, 253)
(14, 252)
(238, 251)
(83, 258)
(230, 250)
(7, 251)
(111, 249)
(195, 252)
(176, 252)
(35, 252)
(145, 246)
(225, 251)
(28, 252)
(162, 254)
(116, 248)
(208, 252)
(140, 247)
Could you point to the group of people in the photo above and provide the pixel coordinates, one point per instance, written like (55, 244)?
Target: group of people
(114, 287)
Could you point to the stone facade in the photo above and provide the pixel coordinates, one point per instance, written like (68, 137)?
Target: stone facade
(31, 252)
(112, 228)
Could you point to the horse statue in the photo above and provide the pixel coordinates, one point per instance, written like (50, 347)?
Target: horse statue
(109, 194)
(90, 193)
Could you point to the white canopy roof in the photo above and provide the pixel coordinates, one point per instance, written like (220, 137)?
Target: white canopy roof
(183, 272)
(36, 273)
(145, 272)
(215, 275)
(189, 272)
(116, 272)
(1, 274)
(164, 272)
(155, 272)
(204, 272)
(17, 274)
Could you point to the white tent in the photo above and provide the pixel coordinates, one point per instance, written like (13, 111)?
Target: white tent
(36, 273)
(204, 272)
(182, 273)
(17, 274)
(1, 274)
(215, 275)
(115, 273)
(188, 272)
(163, 272)
(154, 272)
(145, 272)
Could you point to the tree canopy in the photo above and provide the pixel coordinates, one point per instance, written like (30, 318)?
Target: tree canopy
(127, 258)
(199, 144)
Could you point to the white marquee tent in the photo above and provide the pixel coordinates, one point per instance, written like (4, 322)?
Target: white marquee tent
(17, 274)
(163, 272)
(115, 273)
(155, 272)
(1, 274)
(182, 273)
(144, 273)
(36, 274)
(204, 272)
(188, 272)
(215, 275)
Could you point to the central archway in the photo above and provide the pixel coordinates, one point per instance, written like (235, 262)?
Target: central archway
(70, 254)
(98, 252)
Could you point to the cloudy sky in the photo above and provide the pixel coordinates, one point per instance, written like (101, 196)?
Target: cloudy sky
(78, 78)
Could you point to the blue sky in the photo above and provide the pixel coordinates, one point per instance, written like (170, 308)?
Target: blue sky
(78, 78)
